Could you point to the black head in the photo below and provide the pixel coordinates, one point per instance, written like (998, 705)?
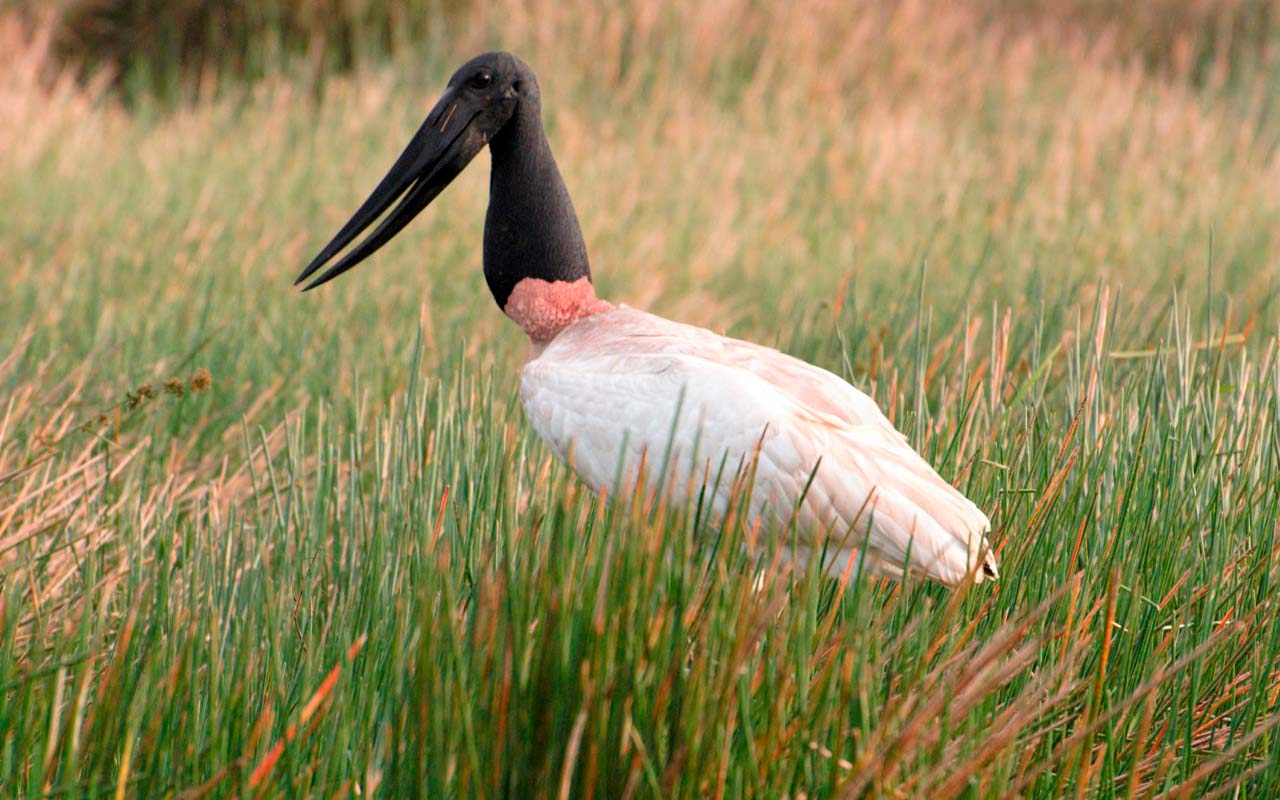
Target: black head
(481, 98)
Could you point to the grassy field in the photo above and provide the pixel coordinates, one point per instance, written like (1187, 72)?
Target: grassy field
(257, 543)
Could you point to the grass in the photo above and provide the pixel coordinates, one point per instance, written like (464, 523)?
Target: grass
(257, 543)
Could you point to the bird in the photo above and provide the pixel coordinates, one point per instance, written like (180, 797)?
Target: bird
(628, 398)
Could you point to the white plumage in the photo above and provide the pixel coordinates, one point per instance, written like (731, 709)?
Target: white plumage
(604, 395)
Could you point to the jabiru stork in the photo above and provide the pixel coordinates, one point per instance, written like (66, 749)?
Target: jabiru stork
(619, 394)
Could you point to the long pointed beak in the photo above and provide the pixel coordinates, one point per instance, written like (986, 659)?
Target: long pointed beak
(441, 149)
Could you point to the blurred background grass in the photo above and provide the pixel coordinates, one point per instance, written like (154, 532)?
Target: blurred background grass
(1043, 235)
(153, 45)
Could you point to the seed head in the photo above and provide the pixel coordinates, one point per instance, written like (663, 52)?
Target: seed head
(200, 380)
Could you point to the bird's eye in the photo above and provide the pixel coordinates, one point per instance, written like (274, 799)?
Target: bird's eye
(480, 80)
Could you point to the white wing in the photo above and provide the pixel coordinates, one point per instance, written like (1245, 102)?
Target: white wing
(625, 391)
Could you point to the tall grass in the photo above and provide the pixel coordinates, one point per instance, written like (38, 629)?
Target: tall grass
(257, 543)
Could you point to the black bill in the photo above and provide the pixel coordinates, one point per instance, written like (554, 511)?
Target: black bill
(442, 148)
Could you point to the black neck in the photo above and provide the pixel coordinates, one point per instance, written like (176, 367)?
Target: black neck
(530, 230)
